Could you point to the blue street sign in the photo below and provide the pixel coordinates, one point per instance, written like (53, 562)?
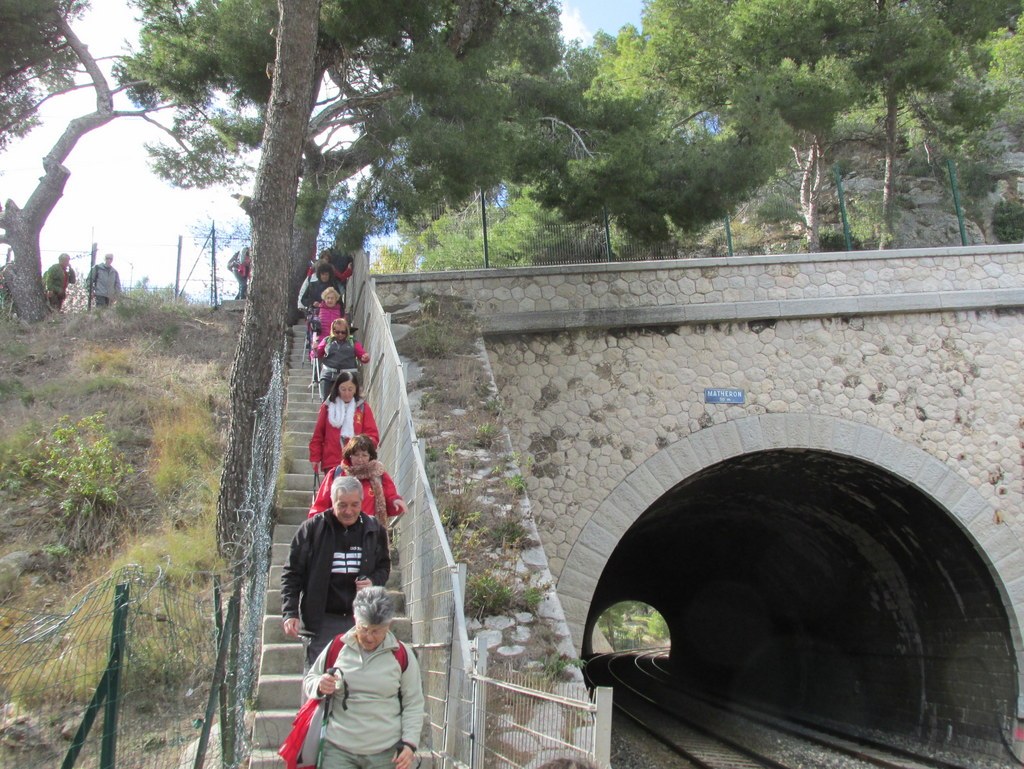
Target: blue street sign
(719, 395)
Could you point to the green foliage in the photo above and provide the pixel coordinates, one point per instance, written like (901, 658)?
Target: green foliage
(516, 484)
(532, 598)
(1008, 221)
(13, 388)
(777, 209)
(632, 625)
(556, 665)
(490, 592)
(486, 434)
(34, 60)
(508, 533)
(78, 467)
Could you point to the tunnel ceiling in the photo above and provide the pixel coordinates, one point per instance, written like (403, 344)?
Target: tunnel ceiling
(785, 574)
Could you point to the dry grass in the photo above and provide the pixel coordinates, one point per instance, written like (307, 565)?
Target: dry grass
(157, 373)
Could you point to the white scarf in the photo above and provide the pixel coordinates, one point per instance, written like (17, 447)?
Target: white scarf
(340, 415)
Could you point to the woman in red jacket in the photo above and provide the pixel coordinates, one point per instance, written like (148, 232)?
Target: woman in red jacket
(342, 416)
(380, 497)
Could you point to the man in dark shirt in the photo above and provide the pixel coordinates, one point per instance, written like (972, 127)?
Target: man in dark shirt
(333, 555)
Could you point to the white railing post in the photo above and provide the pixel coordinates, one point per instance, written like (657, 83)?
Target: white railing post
(603, 727)
(479, 704)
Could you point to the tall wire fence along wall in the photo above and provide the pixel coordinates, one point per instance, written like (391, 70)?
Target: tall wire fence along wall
(197, 273)
(137, 670)
(505, 228)
(473, 720)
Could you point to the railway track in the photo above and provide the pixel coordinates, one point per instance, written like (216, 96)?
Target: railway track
(710, 736)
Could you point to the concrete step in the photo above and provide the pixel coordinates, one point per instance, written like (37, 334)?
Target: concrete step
(273, 604)
(270, 729)
(304, 426)
(294, 515)
(302, 409)
(297, 435)
(284, 532)
(296, 455)
(279, 553)
(287, 498)
(281, 658)
(298, 481)
(280, 692)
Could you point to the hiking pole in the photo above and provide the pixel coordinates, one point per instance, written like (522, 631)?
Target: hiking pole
(328, 707)
(316, 483)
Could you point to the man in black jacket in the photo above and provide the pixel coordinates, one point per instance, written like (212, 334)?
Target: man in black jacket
(333, 555)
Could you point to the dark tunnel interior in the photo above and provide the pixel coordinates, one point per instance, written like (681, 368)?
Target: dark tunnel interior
(827, 589)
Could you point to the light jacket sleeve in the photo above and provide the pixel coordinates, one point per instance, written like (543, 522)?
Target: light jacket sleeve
(302, 293)
(312, 678)
(412, 702)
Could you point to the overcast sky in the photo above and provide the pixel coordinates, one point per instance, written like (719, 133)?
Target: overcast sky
(114, 201)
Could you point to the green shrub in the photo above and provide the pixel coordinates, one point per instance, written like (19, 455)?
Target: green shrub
(81, 470)
(507, 533)
(485, 435)
(1008, 221)
(488, 593)
(833, 239)
(777, 209)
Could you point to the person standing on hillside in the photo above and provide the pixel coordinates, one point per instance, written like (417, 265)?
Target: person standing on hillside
(56, 281)
(333, 556)
(104, 282)
(240, 265)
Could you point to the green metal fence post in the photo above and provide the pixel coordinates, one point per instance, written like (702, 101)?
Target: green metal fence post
(118, 637)
(483, 218)
(842, 206)
(218, 677)
(956, 200)
(728, 236)
(607, 236)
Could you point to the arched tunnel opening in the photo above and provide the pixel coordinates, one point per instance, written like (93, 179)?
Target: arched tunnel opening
(825, 589)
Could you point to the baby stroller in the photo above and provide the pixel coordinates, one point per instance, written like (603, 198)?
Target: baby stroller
(313, 334)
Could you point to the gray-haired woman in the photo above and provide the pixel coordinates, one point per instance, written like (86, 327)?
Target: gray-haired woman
(377, 709)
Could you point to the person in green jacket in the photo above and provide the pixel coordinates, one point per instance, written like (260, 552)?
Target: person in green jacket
(56, 281)
(376, 713)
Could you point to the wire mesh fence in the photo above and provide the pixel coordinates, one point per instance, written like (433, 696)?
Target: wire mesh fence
(54, 663)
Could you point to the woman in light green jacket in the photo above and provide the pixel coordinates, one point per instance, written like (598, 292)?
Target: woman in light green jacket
(376, 712)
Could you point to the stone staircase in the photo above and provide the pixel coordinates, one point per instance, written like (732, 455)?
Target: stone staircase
(279, 689)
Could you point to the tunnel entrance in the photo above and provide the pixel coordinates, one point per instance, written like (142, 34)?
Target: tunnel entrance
(826, 589)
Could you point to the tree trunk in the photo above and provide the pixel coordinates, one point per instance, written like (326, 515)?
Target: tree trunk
(23, 226)
(272, 211)
(810, 191)
(889, 181)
